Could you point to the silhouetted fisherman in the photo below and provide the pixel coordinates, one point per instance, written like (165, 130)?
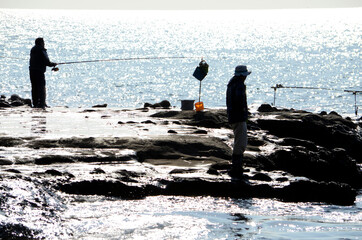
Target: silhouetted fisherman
(39, 60)
(237, 111)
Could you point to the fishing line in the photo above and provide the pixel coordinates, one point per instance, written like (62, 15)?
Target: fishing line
(123, 59)
(297, 87)
(107, 60)
(354, 92)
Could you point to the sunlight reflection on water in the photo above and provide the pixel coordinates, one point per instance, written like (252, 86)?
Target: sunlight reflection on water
(209, 218)
(312, 48)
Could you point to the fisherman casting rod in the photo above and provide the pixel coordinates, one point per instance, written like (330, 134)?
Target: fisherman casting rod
(105, 60)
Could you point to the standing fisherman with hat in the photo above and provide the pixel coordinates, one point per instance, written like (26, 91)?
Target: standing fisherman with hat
(237, 111)
(39, 60)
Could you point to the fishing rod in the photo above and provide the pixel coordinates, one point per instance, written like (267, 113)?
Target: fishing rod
(296, 87)
(108, 60)
(55, 69)
(121, 59)
(118, 59)
(354, 92)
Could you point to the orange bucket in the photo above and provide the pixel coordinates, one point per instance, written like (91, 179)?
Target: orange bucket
(199, 106)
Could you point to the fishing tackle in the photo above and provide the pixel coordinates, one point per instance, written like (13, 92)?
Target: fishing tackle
(200, 73)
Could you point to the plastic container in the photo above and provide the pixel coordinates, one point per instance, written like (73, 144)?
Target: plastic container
(199, 106)
(187, 104)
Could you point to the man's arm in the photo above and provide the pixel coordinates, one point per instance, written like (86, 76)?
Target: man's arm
(47, 61)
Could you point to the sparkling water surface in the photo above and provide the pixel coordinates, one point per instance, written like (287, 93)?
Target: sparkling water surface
(319, 48)
(305, 48)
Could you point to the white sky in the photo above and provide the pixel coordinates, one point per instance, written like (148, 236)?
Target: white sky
(177, 4)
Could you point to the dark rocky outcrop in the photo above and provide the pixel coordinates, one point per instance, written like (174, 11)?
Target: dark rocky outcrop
(100, 105)
(163, 104)
(321, 149)
(14, 101)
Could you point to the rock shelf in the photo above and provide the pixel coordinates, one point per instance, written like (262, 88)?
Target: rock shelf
(292, 156)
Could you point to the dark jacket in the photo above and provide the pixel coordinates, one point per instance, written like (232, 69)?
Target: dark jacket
(237, 106)
(39, 59)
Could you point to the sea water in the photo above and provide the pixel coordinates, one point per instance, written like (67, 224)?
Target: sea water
(308, 48)
(296, 48)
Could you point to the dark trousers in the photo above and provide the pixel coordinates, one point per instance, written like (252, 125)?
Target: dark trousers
(38, 92)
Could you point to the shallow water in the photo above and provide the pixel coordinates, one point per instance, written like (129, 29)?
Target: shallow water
(208, 218)
(306, 48)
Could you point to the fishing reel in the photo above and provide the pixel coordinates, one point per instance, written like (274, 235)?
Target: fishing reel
(55, 69)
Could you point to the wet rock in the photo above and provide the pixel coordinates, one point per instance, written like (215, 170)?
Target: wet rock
(304, 191)
(281, 179)
(12, 170)
(4, 161)
(310, 191)
(252, 141)
(330, 131)
(239, 217)
(17, 103)
(224, 165)
(163, 104)
(97, 171)
(172, 131)
(27, 101)
(15, 97)
(10, 141)
(14, 101)
(100, 105)
(212, 171)
(53, 172)
(200, 131)
(181, 147)
(51, 159)
(207, 119)
(130, 174)
(148, 122)
(199, 187)
(4, 104)
(295, 142)
(17, 231)
(105, 188)
(89, 110)
(182, 171)
(266, 108)
(299, 142)
(261, 177)
(321, 166)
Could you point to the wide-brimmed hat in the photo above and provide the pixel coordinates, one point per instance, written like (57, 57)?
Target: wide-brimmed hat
(241, 70)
